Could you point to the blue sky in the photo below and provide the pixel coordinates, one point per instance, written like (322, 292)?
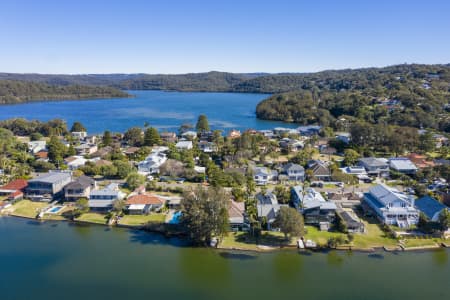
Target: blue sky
(168, 36)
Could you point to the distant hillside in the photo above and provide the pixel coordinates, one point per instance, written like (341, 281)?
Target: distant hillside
(21, 91)
(405, 95)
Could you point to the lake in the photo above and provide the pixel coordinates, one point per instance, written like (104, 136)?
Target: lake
(163, 110)
(67, 261)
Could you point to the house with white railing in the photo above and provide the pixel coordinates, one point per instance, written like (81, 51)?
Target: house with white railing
(391, 206)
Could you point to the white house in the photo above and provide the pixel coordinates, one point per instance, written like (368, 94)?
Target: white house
(402, 165)
(36, 146)
(391, 206)
(103, 199)
(152, 163)
(184, 145)
(79, 134)
(263, 175)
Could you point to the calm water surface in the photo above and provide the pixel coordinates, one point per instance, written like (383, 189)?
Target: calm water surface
(164, 110)
(67, 261)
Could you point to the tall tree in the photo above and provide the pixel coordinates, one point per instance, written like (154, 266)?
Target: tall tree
(133, 136)
(290, 222)
(202, 124)
(205, 213)
(56, 150)
(107, 138)
(77, 127)
(151, 137)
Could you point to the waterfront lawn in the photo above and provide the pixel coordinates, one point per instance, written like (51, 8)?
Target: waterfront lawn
(135, 220)
(374, 237)
(27, 208)
(321, 237)
(243, 240)
(93, 218)
(421, 242)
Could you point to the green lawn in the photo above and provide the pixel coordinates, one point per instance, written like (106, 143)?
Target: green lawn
(321, 237)
(134, 220)
(420, 242)
(374, 237)
(93, 218)
(27, 208)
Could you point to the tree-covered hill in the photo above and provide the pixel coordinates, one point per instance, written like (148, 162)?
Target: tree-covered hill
(405, 95)
(21, 91)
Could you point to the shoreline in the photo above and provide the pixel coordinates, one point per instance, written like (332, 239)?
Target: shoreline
(258, 248)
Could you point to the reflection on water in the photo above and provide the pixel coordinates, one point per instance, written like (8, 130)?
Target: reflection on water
(287, 266)
(440, 257)
(334, 258)
(238, 256)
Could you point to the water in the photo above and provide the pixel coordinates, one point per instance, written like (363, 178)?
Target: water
(164, 110)
(66, 261)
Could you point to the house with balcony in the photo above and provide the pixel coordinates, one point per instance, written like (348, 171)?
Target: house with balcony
(49, 186)
(314, 207)
(391, 206)
(375, 166)
(263, 175)
(294, 172)
(152, 163)
(103, 199)
(79, 188)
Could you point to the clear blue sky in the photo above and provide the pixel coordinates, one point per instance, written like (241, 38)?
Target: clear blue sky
(168, 36)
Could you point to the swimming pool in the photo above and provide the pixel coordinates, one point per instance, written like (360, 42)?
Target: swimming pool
(175, 218)
(54, 210)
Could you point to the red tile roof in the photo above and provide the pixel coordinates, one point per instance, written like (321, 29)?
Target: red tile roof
(18, 184)
(145, 199)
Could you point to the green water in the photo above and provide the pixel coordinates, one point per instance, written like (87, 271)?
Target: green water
(67, 261)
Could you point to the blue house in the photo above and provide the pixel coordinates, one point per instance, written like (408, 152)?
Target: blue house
(430, 207)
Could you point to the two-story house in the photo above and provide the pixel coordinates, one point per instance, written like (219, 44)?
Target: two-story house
(375, 166)
(294, 172)
(48, 186)
(79, 188)
(263, 175)
(391, 206)
(103, 199)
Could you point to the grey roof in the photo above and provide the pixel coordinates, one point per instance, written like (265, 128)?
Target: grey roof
(402, 164)
(101, 203)
(373, 161)
(429, 206)
(381, 195)
(292, 166)
(81, 182)
(52, 177)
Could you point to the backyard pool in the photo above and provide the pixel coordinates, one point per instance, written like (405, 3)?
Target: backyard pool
(176, 218)
(54, 209)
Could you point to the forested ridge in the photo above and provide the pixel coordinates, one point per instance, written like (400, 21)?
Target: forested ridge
(13, 91)
(405, 95)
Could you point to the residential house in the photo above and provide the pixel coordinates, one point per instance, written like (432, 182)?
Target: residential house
(375, 166)
(420, 161)
(42, 155)
(102, 152)
(184, 145)
(352, 222)
(402, 165)
(309, 130)
(320, 171)
(131, 151)
(207, 147)
(315, 209)
(294, 172)
(267, 207)
(430, 207)
(81, 187)
(14, 189)
(344, 137)
(234, 134)
(48, 186)
(86, 149)
(236, 216)
(80, 135)
(168, 137)
(103, 199)
(74, 162)
(152, 163)
(143, 203)
(440, 140)
(391, 206)
(291, 145)
(190, 135)
(263, 175)
(91, 139)
(36, 146)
